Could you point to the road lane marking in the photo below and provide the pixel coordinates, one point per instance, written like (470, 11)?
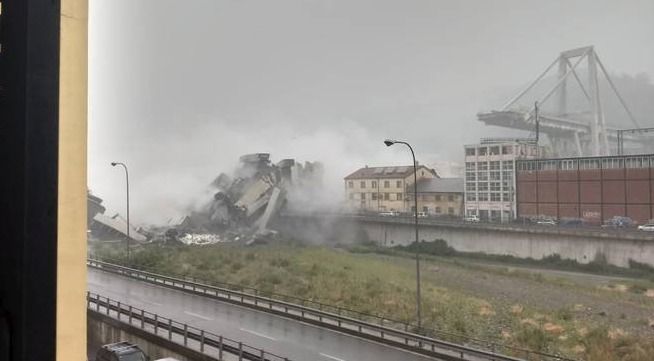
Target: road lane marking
(198, 316)
(258, 334)
(331, 357)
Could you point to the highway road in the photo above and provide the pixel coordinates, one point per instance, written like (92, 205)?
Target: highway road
(281, 336)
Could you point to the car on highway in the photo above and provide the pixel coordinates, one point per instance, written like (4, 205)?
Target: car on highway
(649, 227)
(471, 218)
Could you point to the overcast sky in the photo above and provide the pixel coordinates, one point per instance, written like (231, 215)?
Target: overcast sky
(179, 89)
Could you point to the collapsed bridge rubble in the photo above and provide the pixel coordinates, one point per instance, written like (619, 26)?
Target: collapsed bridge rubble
(243, 204)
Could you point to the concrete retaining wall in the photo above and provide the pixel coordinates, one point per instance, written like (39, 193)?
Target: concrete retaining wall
(579, 245)
(618, 252)
(102, 330)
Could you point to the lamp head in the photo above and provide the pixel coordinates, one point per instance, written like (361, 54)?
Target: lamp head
(113, 164)
(389, 142)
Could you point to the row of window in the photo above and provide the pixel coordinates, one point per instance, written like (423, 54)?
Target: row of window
(484, 186)
(380, 196)
(373, 184)
(399, 197)
(492, 196)
(494, 150)
(588, 163)
(492, 165)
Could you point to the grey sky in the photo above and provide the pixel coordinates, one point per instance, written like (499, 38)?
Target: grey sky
(179, 89)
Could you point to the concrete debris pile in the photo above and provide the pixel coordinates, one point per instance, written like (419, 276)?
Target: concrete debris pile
(200, 239)
(244, 203)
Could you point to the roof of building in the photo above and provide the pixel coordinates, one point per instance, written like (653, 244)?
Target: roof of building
(439, 185)
(386, 172)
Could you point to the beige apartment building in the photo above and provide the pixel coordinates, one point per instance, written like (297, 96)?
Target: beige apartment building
(379, 189)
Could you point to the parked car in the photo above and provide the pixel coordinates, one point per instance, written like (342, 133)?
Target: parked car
(649, 227)
(546, 222)
(422, 214)
(471, 218)
(618, 222)
(387, 214)
(121, 351)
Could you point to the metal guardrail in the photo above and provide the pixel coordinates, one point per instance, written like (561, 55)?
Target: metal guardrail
(382, 329)
(181, 333)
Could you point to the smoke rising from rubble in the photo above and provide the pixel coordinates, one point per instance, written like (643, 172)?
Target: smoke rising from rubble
(179, 90)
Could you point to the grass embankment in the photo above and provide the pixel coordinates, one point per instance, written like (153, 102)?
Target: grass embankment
(385, 285)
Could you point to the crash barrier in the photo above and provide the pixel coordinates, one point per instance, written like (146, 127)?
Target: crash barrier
(181, 333)
(449, 346)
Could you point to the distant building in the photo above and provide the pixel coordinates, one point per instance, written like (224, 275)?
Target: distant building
(489, 177)
(378, 189)
(593, 189)
(438, 196)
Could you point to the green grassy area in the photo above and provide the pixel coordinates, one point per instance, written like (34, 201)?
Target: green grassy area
(384, 284)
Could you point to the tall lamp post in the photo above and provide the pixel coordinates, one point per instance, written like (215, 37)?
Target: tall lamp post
(113, 164)
(388, 143)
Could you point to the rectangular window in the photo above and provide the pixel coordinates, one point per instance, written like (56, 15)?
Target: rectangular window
(495, 197)
(483, 197)
(350, 184)
(398, 196)
(387, 184)
(470, 151)
(495, 186)
(482, 166)
(438, 198)
(398, 184)
(374, 184)
(507, 149)
(483, 150)
(611, 163)
(450, 197)
(363, 196)
(470, 166)
(386, 197)
(494, 150)
(483, 186)
(438, 210)
(471, 197)
(471, 176)
(373, 196)
(507, 165)
(506, 197)
(589, 164)
(470, 187)
(363, 184)
(637, 162)
(568, 164)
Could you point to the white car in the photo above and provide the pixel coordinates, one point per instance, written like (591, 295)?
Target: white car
(649, 227)
(471, 218)
(387, 214)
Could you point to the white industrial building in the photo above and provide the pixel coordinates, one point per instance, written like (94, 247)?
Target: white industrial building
(490, 177)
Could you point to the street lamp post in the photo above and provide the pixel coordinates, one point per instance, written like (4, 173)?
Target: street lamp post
(113, 164)
(388, 143)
